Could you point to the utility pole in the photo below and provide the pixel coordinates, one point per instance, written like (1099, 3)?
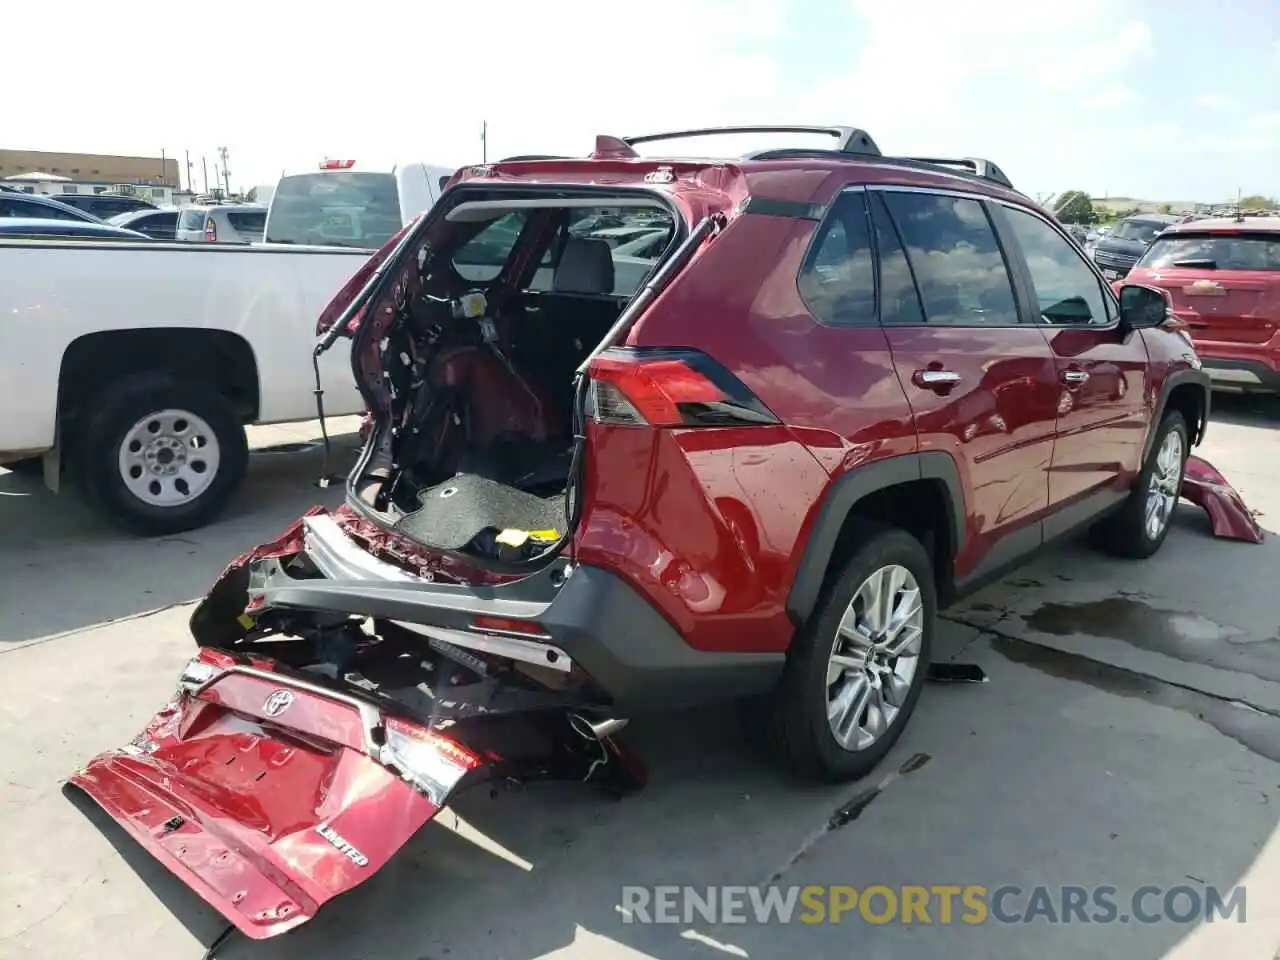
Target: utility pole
(164, 172)
(223, 152)
(484, 141)
(187, 153)
(204, 165)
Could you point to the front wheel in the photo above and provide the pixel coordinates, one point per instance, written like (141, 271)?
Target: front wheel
(855, 671)
(1139, 527)
(159, 457)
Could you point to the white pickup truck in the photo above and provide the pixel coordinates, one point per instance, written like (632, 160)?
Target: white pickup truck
(134, 366)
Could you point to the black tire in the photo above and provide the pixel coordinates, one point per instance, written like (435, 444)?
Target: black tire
(98, 441)
(1124, 533)
(798, 732)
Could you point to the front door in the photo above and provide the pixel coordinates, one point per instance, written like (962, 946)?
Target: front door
(979, 376)
(1103, 409)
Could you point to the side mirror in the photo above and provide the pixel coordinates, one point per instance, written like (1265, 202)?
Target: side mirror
(1142, 306)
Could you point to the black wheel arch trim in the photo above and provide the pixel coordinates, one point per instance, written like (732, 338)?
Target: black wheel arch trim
(843, 495)
(1174, 380)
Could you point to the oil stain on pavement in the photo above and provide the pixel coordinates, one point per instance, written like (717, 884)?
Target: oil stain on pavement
(1188, 637)
(1251, 727)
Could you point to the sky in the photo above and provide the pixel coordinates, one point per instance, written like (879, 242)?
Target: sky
(1172, 100)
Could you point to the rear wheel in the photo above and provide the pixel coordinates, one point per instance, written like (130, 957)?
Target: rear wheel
(160, 457)
(855, 672)
(1138, 529)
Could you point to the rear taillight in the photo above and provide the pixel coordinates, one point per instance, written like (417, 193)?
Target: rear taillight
(669, 388)
(430, 761)
(342, 299)
(210, 231)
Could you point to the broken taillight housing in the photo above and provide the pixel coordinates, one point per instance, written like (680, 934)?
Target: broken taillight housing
(669, 388)
(430, 761)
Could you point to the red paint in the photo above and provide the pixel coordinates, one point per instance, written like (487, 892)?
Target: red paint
(1231, 315)
(1204, 486)
(251, 792)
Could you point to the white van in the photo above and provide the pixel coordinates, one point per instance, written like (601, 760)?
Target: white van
(338, 206)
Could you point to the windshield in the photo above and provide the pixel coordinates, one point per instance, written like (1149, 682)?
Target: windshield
(1143, 231)
(336, 209)
(1215, 251)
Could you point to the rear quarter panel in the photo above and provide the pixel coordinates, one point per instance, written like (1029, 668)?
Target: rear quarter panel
(52, 293)
(732, 509)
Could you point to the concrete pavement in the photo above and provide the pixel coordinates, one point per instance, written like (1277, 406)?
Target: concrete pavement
(1126, 738)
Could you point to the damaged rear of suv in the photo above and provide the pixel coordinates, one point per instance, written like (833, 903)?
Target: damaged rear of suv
(595, 484)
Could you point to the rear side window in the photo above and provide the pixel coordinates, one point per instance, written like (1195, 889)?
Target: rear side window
(899, 299)
(1210, 251)
(958, 266)
(481, 258)
(837, 280)
(41, 210)
(191, 220)
(340, 209)
(249, 222)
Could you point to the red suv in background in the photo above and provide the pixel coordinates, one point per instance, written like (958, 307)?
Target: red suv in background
(1223, 277)
(850, 389)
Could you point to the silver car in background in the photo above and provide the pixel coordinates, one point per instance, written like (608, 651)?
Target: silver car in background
(223, 223)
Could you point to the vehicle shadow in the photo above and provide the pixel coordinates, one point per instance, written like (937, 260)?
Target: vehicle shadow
(62, 568)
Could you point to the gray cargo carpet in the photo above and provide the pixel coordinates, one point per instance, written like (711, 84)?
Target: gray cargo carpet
(454, 512)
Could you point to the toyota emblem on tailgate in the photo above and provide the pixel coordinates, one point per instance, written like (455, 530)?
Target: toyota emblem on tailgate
(277, 703)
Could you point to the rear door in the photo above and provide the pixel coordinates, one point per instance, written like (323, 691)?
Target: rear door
(979, 376)
(1102, 375)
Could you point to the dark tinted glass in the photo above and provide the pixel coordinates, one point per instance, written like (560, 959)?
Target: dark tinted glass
(899, 299)
(958, 266)
(342, 209)
(837, 281)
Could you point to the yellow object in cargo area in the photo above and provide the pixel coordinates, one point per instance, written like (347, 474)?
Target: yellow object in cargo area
(518, 538)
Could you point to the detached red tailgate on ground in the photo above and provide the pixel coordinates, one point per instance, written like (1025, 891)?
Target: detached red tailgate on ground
(261, 796)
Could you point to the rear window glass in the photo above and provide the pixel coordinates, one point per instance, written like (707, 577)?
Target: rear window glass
(344, 209)
(191, 220)
(251, 222)
(1209, 251)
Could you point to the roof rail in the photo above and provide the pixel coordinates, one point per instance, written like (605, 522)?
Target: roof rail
(533, 156)
(850, 141)
(976, 166)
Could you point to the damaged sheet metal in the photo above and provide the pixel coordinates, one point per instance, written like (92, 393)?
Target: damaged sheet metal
(1207, 488)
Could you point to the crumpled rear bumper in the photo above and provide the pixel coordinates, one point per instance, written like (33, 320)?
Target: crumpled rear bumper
(1206, 487)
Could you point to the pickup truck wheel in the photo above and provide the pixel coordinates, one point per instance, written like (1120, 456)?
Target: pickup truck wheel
(159, 457)
(1138, 528)
(855, 671)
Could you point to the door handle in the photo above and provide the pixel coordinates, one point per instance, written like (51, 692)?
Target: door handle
(1074, 377)
(935, 379)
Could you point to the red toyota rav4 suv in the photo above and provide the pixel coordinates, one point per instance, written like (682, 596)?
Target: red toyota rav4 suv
(852, 388)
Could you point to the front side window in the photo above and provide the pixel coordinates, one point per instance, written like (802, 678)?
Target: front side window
(956, 259)
(40, 211)
(1214, 251)
(1067, 290)
(837, 280)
